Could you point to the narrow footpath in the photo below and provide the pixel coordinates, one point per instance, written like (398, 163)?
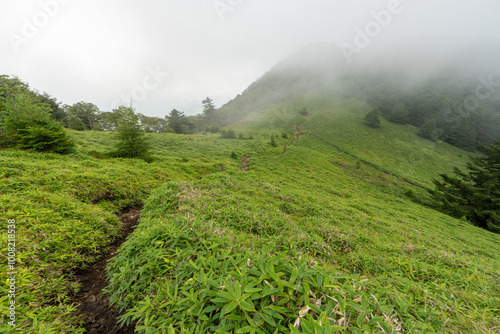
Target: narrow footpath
(92, 306)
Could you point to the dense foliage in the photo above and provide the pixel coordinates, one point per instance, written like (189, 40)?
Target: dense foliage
(27, 123)
(474, 194)
(205, 281)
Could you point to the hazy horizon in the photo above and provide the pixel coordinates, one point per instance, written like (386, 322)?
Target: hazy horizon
(167, 55)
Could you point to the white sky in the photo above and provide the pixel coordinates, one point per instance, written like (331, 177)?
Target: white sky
(99, 51)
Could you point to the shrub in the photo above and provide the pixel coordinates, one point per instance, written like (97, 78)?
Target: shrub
(212, 128)
(228, 134)
(303, 111)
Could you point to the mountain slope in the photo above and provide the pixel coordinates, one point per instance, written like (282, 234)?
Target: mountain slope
(456, 94)
(413, 269)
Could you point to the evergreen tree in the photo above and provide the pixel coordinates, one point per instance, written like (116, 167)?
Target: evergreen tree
(27, 123)
(463, 135)
(273, 141)
(209, 111)
(132, 142)
(474, 194)
(372, 120)
(177, 121)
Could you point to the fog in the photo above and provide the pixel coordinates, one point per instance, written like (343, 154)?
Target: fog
(172, 54)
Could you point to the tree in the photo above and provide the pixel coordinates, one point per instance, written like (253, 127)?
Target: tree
(75, 123)
(131, 140)
(178, 122)
(372, 120)
(474, 194)
(209, 111)
(273, 141)
(26, 123)
(153, 124)
(463, 135)
(399, 114)
(56, 111)
(88, 113)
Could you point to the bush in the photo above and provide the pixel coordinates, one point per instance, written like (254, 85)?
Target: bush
(229, 134)
(233, 155)
(303, 111)
(212, 128)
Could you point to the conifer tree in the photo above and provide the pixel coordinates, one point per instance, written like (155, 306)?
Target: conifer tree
(273, 141)
(474, 194)
(132, 142)
(26, 123)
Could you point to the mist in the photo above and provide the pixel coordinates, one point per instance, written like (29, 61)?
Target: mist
(162, 55)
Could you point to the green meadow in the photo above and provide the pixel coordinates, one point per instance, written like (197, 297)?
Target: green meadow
(330, 235)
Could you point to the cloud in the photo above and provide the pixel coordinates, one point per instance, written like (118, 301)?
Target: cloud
(98, 50)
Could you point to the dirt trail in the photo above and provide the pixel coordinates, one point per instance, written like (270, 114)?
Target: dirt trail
(296, 135)
(245, 162)
(92, 306)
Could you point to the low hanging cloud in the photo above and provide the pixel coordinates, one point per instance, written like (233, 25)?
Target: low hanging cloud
(107, 52)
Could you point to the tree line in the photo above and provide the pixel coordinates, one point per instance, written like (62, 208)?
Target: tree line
(464, 112)
(36, 121)
(83, 116)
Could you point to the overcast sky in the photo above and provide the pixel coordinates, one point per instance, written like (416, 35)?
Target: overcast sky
(169, 54)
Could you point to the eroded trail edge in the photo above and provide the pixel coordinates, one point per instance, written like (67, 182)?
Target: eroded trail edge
(92, 306)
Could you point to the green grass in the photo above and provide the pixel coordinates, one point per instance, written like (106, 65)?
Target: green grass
(64, 206)
(356, 234)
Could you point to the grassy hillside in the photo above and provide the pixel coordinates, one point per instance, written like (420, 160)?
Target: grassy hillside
(379, 261)
(64, 206)
(331, 223)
